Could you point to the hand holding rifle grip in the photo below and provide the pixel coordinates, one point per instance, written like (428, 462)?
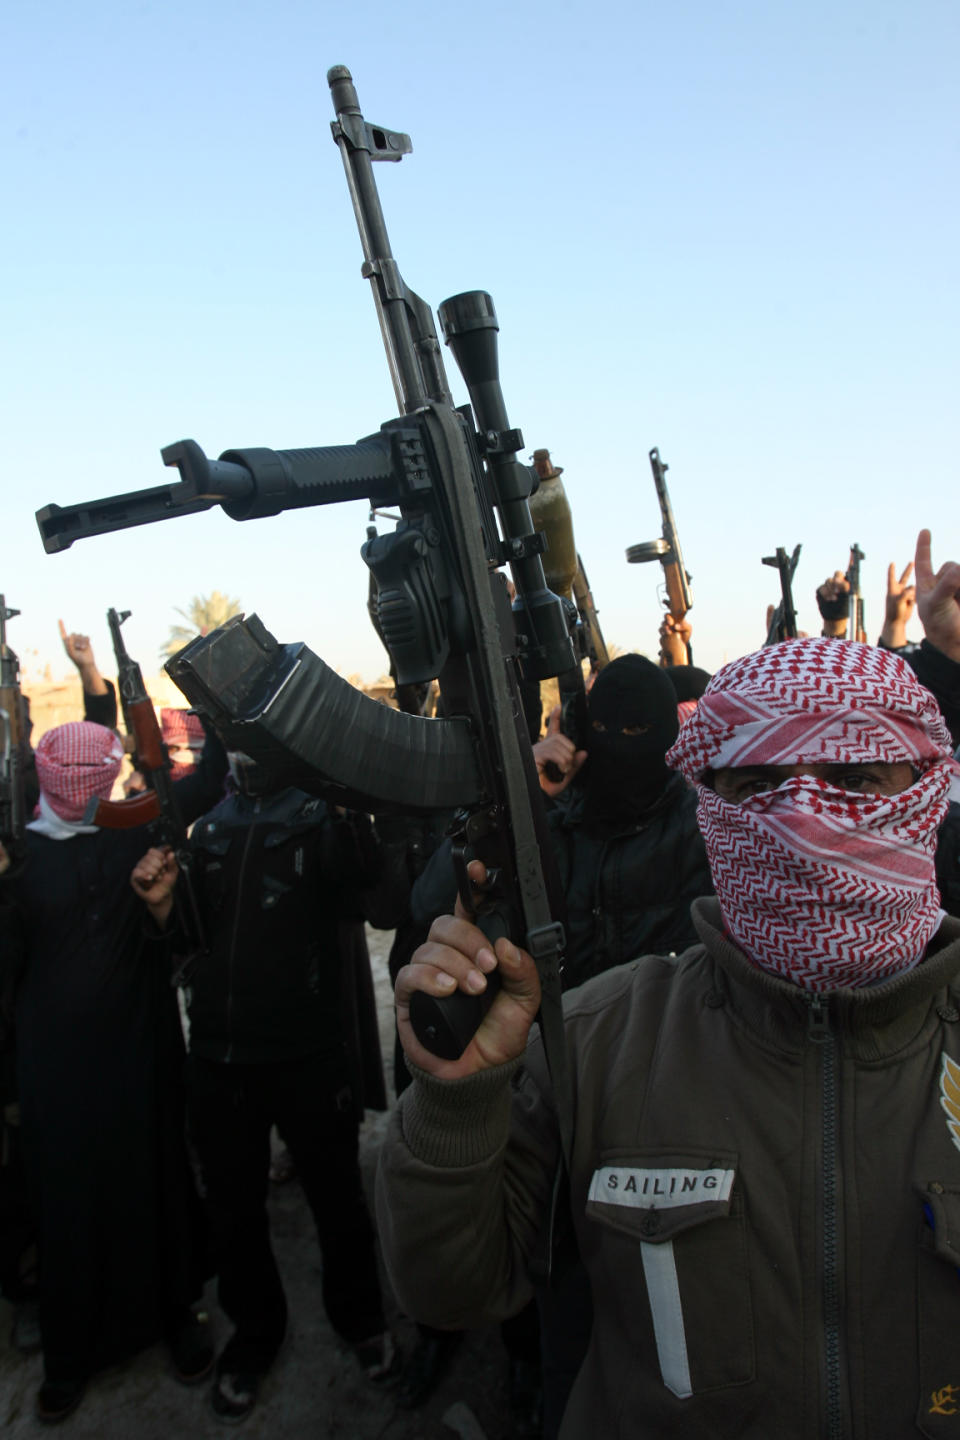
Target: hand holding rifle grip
(445, 1024)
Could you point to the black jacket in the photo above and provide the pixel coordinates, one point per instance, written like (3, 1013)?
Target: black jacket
(941, 676)
(627, 893)
(277, 877)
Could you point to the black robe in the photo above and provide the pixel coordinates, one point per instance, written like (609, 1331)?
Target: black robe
(99, 1073)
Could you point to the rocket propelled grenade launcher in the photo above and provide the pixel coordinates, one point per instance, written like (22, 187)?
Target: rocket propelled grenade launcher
(442, 605)
(666, 550)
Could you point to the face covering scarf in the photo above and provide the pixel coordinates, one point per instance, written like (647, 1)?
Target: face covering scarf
(822, 886)
(75, 762)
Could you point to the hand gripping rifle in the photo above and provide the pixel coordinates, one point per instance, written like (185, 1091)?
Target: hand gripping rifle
(13, 742)
(783, 621)
(441, 602)
(157, 806)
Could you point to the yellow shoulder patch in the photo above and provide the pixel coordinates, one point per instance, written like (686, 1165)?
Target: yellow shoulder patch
(950, 1097)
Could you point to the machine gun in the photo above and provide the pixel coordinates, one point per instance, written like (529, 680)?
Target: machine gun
(441, 601)
(157, 806)
(783, 621)
(13, 742)
(856, 628)
(666, 550)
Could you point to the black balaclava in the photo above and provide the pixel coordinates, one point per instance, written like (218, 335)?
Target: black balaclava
(632, 710)
(688, 680)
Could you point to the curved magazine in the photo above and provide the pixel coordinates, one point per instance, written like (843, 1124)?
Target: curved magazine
(287, 709)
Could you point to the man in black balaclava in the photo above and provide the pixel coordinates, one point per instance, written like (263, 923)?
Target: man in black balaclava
(633, 722)
(689, 681)
(624, 826)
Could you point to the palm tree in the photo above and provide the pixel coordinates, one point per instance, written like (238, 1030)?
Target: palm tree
(203, 614)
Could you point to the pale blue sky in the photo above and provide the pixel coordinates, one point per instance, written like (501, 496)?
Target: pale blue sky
(726, 229)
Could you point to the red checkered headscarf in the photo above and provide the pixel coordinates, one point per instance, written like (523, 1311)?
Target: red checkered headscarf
(75, 762)
(181, 729)
(824, 886)
(184, 737)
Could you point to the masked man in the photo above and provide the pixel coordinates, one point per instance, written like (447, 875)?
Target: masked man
(277, 1011)
(624, 828)
(764, 1180)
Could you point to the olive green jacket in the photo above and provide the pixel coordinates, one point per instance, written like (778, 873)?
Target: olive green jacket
(765, 1188)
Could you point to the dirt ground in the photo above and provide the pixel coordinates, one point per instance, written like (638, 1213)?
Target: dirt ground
(315, 1388)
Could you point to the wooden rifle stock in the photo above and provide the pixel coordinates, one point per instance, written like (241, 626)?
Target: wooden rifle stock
(126, 814)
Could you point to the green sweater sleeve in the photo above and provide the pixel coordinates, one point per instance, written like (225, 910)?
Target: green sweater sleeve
(463, 1192)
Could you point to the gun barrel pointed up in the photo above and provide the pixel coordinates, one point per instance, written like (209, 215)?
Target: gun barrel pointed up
(783, 621)
(666, 550)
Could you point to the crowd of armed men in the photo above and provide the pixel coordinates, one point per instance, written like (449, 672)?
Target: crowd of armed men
(745, 1224)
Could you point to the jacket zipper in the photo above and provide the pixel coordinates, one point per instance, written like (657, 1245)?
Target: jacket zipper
(822, 1035)
(233, 938)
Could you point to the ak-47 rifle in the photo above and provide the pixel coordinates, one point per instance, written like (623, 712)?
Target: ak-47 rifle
(666, 550)
(157, 806)
(783, 621)
(13, 740)
(442, 605)
(856, 628)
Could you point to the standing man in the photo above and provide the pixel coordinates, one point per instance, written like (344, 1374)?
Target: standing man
(766, 1158)
(99, 1061)
(273, 1041)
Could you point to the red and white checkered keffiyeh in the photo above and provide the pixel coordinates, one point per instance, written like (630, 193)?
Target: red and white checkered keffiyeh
(685, 709)
(181, 729)
(74, 762)
(824, 886)
(184, 737)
